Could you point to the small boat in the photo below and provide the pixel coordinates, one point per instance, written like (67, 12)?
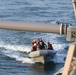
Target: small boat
(42, 56)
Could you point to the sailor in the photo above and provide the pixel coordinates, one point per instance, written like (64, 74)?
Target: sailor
(49, 46)
(34, 41)
(38, 41)
(41, 44)
(34, 47)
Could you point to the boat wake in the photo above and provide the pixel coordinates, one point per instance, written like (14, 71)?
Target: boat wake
(60, 58)
(18, 56)
(19, 53)
(21, 48)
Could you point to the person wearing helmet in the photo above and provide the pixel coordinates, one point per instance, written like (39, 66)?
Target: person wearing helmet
(49, 46)
(34, 41)
(41, 44)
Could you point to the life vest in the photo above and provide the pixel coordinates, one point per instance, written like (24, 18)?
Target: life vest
(34, 47)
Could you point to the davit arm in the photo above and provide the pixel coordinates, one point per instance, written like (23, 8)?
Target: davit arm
(34, 27)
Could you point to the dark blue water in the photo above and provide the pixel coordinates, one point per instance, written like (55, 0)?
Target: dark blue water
(15, 44)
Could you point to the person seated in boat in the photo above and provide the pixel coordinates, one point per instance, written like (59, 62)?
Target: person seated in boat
(41, 44)
(49, 46)
(34, 47)
(38, 41)
(34, 41)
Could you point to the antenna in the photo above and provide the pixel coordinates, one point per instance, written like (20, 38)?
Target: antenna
(34, 27)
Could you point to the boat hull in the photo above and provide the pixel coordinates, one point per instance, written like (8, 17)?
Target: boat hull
(42, 56)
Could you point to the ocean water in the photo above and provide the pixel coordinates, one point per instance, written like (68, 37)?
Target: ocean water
(14, 45)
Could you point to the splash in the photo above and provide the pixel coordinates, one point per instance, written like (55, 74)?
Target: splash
(59, 58)
(17, 56)
(21, 48)
(58, 47)
(16, 52)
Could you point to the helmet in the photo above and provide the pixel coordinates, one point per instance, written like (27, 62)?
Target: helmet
(40, 38)
(34, 40)
(48, 42)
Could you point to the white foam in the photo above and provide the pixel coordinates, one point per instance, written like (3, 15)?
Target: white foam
(59, 46)
(22, 48)
(25, 60)
(59, 58)
(11, 51)
(17, 56)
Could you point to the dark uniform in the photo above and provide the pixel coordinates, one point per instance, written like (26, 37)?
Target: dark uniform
(41, 45)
